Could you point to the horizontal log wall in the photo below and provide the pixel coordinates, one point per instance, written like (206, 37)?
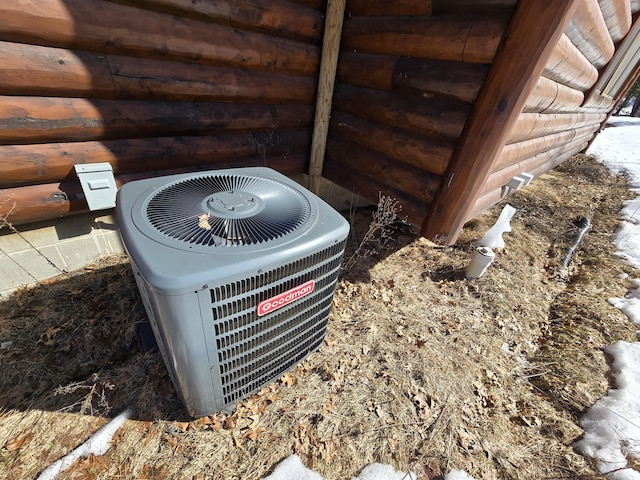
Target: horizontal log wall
(162, 86)
(408, 75)
(150, 86)
(562, 114)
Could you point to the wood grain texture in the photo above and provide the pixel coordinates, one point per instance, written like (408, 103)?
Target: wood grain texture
(53, 119)
(533, 125)
(617, 16)
(326, 82)
(515, 152)
(568, 66)
(109, 28)
(425, 153)
(455, 80)
(588, 31)
(371, 188)
(502, 175)
(388, 7)
(535, 28)
(53, 162)
(47, 71)
(550, 96)
(462, 7)
(415, 182)
(536, 167)
(455, 38)
(432, 117)
(276, 17)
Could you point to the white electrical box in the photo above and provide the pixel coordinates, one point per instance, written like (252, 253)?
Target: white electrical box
(98, 185)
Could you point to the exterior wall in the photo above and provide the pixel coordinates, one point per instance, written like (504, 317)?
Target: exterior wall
(151, 86)
(563, 113)
(435, 104)
(408, 75)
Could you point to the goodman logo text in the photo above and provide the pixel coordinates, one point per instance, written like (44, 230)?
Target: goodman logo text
(285, 298)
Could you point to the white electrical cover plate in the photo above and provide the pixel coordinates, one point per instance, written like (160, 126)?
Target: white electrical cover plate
(98, 185)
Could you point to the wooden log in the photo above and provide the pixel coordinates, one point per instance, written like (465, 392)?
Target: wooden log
(275, 17)
(550, 96)
(326, 83)
(35, 70)
(503, 175)
(53, 200)
(366, 70)
(214, 118)
(532, 33)
(432, 117)
(617, 16)
(367, 8)
(456, 80)
(588, 31)
(491, 197)
(466, 7)
(371, 188)
(598, 102)
(428, 154)
(417, 183)
(52, 162)
(568, 66)
(148, 78)
(46, 71)
(52, 119)
(105, 27)
(532, 125)
(516, 152)
(41, 202)
(622, 71)
(456, 38)
(320, 5)
(428, 78)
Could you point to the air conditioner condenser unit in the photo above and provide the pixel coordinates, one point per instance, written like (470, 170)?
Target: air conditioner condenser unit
(236, 269)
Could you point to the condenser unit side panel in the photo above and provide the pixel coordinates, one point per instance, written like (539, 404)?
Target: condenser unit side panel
(179, 330)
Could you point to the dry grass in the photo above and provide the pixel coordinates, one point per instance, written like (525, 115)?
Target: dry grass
(420, 368)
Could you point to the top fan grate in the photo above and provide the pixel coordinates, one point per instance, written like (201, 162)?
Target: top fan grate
(227, 210)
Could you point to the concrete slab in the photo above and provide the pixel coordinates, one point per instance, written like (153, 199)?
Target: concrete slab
(39, 251)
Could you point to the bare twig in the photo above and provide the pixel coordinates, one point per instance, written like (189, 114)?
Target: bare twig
(4, 222)
(385, 215)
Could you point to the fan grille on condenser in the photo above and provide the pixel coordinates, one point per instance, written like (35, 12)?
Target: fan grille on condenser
(227, 210)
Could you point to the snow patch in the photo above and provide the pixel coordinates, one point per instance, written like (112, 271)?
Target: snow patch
(292, 468)
(97, 444)
(612, 425)
(630, 304)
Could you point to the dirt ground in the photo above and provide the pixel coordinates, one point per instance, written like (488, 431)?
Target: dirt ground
(421, 368)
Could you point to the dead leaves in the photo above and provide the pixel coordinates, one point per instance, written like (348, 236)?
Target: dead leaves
(203, 221)
(303, 437)
(18, 442)
(424, 403)
(307, 444)
(48, 336)
(468, 442)
(288, 379)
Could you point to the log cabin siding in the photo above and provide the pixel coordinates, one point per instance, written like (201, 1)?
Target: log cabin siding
(152, 87)
(407, 79)
(562, 100)
(438, 103)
